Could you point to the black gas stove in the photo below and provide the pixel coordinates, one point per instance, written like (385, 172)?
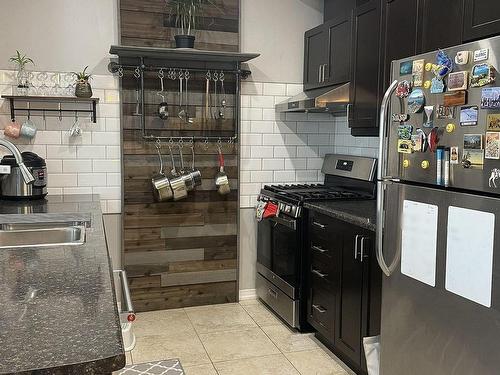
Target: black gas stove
(280, 247)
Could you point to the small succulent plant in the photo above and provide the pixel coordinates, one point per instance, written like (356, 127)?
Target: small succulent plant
(21, 60)
(83, 76)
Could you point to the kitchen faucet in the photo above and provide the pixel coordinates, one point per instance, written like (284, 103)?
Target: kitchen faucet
(27, 176)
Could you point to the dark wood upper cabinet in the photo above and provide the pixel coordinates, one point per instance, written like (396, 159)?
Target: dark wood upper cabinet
(366, 78)
(315, 56)
(441, 24)
(338, 69)
(481, 19)
(337, 9)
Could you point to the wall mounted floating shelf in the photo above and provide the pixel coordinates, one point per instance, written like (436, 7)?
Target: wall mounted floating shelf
(59, 100)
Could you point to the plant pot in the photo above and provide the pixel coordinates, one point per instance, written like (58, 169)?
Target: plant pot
(184, 41)
(83, 89)
(23, 81)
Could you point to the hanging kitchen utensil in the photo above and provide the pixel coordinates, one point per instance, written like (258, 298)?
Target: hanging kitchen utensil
(213, 108)
(137, 75)
(207, 95)
(163, 106)
(221, 180)
(75, 130)
(195, 173)
(161, 183)
(223, 102)
(181, 113)
(177, 183)
(187, 118)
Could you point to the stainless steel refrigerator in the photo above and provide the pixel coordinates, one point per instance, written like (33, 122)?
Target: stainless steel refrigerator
(438, 239)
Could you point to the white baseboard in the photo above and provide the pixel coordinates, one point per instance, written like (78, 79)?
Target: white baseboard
(248, 294)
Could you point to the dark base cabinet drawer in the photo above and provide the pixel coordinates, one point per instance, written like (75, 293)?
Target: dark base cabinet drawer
(321, 314)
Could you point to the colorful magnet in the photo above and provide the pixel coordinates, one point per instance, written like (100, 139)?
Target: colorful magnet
(454, 155)
(416, 101)
(492, 147)
(445, 112)
(433, 139)
(451, 99)
(427, 84)
(450, 128)
(429, 110)
(437, 86)
(417, 72)
(405, 67)
(444, 65)
(405, 146)
(495, 174)
(473, 141)
(428, 67)
(458, 81)
(469, 115)
(473, 159)
(481, 54)
(404, 131)
(482, 74)
(490, 97)
(493, 123)
(423, 136)
(403, 89)
(462, 57)
(418, 141)
(400, 117)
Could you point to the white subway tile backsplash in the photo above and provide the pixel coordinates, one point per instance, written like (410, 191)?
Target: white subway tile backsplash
(112, 125)
(113, 206)
(91, 152)
(261, 127)
(61, 152)
(273, 139)
(307, 176)
(262, 151)
(105, 138)
(77, 190)
(318, 139)
(251, 164)
(285, 151)
(250, 188)
(251, 88)
(284, 176)
(296, 139)
(309, 127)
(63, 180)
(91, 179)
(251, 114)
(110, 192)
(47, 138)
(273, 164)
(73, 166)
(113, 152)
(261, 176)
(314, 163)
(106, 165)
(263, 101)
(285, 127)
(294, 89)
(108, 110)
(296, 164)
(307, 151)
(274, 89)
(251, 139)
(268, 114)
(54, 166)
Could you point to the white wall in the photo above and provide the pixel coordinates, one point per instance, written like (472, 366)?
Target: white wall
(275, 29)
(59, 35)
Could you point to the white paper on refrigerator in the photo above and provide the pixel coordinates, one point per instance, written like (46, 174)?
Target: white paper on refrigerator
(469, 254)
(419, 241)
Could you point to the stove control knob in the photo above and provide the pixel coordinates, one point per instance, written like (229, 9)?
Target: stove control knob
(288, 209)
(425, 164)
(406, 163)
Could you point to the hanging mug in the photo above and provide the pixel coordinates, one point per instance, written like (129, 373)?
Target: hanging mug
(28, 129)
(12, 130)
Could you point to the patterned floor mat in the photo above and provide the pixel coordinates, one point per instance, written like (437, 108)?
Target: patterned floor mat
(168, 367)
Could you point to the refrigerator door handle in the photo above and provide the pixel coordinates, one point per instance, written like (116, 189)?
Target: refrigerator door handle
(382, 149)
(356, 246)
(380, 230)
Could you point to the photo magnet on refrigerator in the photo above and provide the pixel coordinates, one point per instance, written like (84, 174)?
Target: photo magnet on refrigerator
(481, 54)
(458, 81)
(445, 112)
(405, 67)
(473, 141)
(418, 72)
(469, 115)
(454, 155)
(462, 57)
(493, 123)
(455, 98)
(416, 101)
(481, 75)
(490, 97)
(437, 86)
(492, 147)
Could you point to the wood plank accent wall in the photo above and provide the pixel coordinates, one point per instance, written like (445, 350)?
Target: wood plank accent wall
(181, 253)
(151, 23)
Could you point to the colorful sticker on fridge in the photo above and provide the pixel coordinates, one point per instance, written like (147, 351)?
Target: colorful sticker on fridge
(400, 117)
(405, 67)
(454, 155)
(429, 110)
(481, 54)
(417, 142)
(404, 131)
(403, 89)
(473, 141)
(492, 147)
(490, 97)
(458, 81)
(469, 115)
(454, 98)
(462, 57)
(493, 123)
(417, 72)
(482, 74)
(494, 176)
(405, 146)
(445, 112)
(416, 101)
(473, 159)
(437, 86)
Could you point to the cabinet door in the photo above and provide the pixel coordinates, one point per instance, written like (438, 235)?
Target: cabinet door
(441, 24)
(401, 27)
(315, 56)
(348, 337)
(335, 9)
(338, 68)
(481, 19)
(366, 68)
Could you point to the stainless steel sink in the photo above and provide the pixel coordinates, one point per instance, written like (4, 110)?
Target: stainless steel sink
(41, 234)
(42, 225)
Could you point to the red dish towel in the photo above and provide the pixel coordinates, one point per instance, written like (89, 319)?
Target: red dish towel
(271, 210)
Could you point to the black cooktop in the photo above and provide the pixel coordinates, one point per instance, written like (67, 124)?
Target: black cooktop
(313, 192)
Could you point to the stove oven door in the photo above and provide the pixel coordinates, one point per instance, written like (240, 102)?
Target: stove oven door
(278, 253)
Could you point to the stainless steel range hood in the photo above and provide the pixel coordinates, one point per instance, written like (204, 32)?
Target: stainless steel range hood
(327, 99)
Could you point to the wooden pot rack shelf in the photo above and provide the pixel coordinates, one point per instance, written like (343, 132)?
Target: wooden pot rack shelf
(60, 100)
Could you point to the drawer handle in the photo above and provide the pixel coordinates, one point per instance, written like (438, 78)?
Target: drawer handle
(319, 308)
(317, 248)
(316, 272)
(272, 293)
(319, 225)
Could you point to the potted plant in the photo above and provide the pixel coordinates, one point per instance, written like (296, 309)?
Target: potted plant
(186, 13)
(83, 88)
(22, 75)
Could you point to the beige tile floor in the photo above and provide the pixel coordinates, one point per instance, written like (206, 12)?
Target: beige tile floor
(230, 339)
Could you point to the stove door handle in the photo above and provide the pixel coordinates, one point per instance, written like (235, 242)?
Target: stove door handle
(292, 224)
(319, 308)
(320, 249)
(319, 273)
(319, 225)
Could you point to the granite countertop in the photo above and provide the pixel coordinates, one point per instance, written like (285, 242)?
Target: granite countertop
(58, 311)
(362, 213)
